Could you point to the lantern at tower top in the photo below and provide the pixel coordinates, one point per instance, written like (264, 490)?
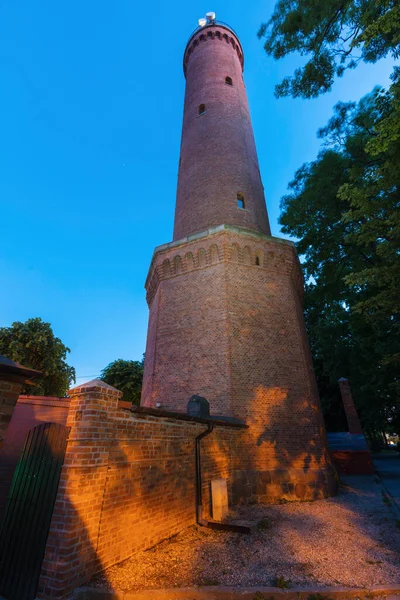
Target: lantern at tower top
(209, 19)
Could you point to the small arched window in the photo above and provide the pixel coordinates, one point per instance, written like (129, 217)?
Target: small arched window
(202, 109)
(257, 261)
(201, 257)
(240, 201)
(228, 81)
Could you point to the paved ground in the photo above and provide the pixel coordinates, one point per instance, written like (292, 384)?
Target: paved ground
(350, 540)
(255, 593)
(388, 468)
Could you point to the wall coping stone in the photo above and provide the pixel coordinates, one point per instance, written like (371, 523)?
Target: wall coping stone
(218, 420)
(96, 385)
(44, 400)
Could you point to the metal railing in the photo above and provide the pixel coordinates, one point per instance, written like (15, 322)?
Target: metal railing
(211, 24)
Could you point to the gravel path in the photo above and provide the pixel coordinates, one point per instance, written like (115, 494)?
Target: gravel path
(350, 540)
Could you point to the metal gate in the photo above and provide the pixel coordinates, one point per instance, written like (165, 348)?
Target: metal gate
(29, 510)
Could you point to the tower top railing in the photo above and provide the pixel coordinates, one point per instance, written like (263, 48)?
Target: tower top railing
(214, 23)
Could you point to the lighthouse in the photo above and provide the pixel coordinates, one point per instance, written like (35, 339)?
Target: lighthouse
(225, 297)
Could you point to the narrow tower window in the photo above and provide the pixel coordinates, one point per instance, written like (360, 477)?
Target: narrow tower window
(228, 80)
(202, 109)
(257, 261)
(240, 201)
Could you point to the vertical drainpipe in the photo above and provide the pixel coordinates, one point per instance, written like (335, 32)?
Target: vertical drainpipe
(199, 499)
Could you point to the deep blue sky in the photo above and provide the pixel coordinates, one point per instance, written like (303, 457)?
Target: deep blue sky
(90, 123)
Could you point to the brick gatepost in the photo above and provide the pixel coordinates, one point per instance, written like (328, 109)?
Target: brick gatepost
(353, 421)
(71, 550)
(225, 297)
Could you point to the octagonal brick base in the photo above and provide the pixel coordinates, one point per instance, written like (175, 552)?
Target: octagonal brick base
(283, 484)
(226, 323)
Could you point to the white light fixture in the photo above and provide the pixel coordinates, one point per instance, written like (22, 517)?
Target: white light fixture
(210, 16)
(202, 22)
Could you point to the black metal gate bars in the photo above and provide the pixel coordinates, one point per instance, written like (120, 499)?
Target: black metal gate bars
(29, 510)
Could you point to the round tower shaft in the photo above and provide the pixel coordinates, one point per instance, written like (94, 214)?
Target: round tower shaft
(219, 178)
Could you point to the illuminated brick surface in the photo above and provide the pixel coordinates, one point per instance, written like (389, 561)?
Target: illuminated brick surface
(226, 318)
(225, 322)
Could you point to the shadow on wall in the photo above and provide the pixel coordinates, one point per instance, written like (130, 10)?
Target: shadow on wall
(290, 540)
(286, 450)
(128, 481)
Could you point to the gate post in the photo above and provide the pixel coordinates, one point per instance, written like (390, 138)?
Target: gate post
(349, 407)
(71, 551)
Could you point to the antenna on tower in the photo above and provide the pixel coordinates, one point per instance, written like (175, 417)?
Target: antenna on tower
(210, 16)
(202, 22)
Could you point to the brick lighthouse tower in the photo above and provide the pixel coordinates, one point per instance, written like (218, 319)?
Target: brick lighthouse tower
(226, 318)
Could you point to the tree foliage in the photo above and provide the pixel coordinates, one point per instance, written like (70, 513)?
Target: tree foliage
(345, 210)
(126, 376)
(33, 344)
(335, 35)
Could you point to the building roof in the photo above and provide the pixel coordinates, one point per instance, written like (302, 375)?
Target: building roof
(10, 367)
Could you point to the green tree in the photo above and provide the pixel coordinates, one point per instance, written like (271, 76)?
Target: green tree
(126, 376)
(344, 208)
(34, 345)
(334, 35)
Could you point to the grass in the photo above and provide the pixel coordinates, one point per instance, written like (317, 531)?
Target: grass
(318, 597)
(208, 581)
(281, 582)
(385, 499)
(264, 524)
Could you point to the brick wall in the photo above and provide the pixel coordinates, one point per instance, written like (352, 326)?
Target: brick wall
(128, 482)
